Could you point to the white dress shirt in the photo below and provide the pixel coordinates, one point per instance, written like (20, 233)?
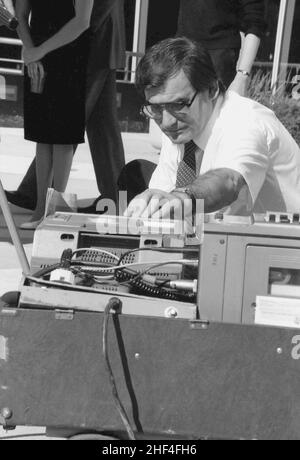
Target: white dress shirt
(246, 137)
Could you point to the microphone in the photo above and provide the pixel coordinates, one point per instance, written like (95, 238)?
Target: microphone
(7, 19)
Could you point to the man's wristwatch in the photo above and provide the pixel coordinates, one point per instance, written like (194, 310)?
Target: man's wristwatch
(187, 191)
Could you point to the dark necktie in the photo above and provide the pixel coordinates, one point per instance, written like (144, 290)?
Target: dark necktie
(186, 172)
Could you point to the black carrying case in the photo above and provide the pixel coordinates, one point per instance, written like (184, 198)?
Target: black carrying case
(174, 377)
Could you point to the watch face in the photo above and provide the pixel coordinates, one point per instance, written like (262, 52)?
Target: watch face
(189, 192)
(244, 72)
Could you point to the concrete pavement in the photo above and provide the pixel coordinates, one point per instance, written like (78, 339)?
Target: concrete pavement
(16, 155)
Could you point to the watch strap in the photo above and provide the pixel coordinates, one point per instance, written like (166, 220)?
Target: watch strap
(244, 72)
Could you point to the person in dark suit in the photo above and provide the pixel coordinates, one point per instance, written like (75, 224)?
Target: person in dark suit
(218, 25)
(107, 53)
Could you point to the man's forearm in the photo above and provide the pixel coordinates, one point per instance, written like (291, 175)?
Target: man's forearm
(218, 188)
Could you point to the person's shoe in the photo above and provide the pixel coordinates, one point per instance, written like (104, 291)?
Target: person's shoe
(20, 200)
(87, 209)
(31, 225)
(92, 209)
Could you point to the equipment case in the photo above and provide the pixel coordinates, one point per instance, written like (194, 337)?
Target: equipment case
(175, 377)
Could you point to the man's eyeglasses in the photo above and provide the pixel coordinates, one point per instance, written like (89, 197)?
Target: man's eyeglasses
(174, 108)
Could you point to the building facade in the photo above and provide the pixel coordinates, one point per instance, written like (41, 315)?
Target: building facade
(148, 21)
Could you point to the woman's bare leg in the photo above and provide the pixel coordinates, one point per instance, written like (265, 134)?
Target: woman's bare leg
(62, 163)
(43, 176)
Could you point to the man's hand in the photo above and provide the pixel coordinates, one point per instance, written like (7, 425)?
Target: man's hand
(156, 204)
(33, 54)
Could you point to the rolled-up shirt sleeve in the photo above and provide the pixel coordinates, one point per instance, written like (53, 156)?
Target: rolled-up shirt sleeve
(244, 149)
(252, 17)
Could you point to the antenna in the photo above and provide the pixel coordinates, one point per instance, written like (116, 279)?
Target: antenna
(13, 232)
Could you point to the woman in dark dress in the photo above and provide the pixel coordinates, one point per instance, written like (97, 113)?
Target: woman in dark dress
(56, 39)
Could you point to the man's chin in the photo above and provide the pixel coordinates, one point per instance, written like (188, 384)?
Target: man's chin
(179, 137)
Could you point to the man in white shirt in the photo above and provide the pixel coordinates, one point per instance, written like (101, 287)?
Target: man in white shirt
(245, 160)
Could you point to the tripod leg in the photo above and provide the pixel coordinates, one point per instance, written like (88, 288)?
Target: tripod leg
(13, 232)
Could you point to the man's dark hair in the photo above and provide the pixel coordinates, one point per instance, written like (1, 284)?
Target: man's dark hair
(166, 58)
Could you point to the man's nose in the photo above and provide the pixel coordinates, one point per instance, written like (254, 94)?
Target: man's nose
(168, 119)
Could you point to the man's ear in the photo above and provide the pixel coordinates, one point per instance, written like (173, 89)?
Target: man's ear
(214, 91)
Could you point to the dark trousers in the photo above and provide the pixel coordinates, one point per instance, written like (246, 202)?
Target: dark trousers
(135, 177)
(103, 135)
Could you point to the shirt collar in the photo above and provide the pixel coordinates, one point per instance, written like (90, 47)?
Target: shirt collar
(202, 140)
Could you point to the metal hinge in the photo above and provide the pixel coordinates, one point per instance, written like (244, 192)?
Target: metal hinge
(66, 315)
